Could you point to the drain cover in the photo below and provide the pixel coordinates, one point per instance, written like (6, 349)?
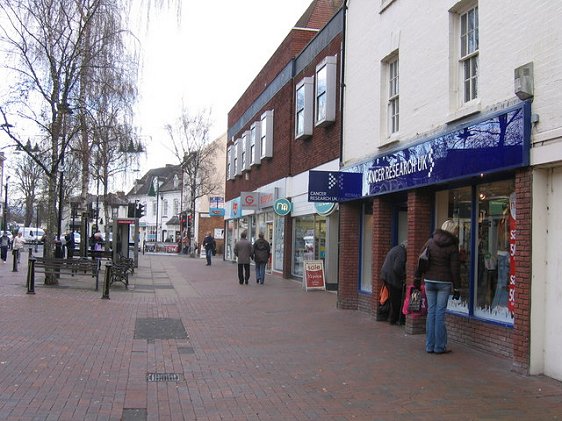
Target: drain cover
(163, 377)
(151, 329)
(134, 414)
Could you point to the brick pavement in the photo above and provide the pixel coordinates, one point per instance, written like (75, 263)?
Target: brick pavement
(272, 352)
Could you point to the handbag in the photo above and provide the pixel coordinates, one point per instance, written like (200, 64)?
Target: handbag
(415, 301)
(423, 260)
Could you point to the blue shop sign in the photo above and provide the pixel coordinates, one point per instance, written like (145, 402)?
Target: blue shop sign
(498, 143)
(333, 186)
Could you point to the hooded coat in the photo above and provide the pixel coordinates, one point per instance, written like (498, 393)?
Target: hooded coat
(444, 263)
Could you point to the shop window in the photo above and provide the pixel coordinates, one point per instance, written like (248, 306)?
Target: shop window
(303, 110)
(484, 289)
(367, 248)
(255, 152)
(266, 135)
(309, 241)
(325, 98)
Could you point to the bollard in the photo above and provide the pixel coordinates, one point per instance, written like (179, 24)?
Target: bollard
(30, 251)
(31, 276)
(97, 274)
(15, 265)
(108, 270)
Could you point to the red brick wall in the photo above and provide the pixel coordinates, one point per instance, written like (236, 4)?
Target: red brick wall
(208, 225)
(382, 223)
(348, 276)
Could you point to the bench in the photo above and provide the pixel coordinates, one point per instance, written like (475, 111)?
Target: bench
(63, 267)
(120, 270)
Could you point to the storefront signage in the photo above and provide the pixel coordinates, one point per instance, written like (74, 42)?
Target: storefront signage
(333, 186)
(250, 200)
(216, 212)
(235, 208)
(267, 199)
(324, 208)
(282, 207)
(512, 252)
(314, 274)
(498, 143)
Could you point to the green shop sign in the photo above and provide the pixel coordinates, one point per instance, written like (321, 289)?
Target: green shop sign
(282, 207)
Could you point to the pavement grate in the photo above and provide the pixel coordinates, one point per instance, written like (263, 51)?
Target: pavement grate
(154, 328)
(134, 414)
(186, 350)
(163, 377)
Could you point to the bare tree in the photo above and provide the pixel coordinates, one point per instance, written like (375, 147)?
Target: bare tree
(191, 145)
(28, 181)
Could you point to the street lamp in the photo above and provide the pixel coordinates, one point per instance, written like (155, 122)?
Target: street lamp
(6, 205)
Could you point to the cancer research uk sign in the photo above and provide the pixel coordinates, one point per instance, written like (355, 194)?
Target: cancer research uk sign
(334, 186)
(497, 143)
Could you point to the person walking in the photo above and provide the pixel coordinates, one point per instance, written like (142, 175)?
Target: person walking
(393, 273)
(442, 273)
(18, 245)
(210, 246)
(4, 245)
(70, 244)
(261, 251)
(243, 251)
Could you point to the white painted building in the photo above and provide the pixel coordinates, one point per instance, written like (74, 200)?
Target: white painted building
(455, 80)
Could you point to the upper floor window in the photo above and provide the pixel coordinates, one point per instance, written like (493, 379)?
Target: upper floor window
(165, 209)
(393, 97)
(229, 163)
(243, 147)
(266, 135)
(469, 40)
(255, 143)
(303, 110)
(325, 98)
(176, 207)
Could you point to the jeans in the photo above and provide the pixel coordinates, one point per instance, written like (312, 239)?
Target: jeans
(260, 272)
(437, 294)
(208, 253)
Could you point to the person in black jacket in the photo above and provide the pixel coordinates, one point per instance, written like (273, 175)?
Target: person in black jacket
(210, 247)
(393, 273)
(442, 273)
(261, 251)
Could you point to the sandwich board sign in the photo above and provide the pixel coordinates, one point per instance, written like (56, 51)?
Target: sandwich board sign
(314, 275)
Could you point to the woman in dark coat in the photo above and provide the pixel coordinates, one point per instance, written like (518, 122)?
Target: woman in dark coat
(393, 273)
(442, 274)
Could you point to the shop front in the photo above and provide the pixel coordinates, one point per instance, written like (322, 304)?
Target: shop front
(478, 175)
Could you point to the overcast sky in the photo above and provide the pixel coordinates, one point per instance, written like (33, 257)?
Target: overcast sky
(208, 62)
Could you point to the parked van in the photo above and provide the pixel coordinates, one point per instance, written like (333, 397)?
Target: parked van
(32, 235)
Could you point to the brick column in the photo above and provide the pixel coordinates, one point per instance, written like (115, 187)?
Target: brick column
(523, 252)
(349, 258)
(420, 205)
(382, 226)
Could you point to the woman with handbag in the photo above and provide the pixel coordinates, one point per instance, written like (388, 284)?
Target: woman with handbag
(443, 271)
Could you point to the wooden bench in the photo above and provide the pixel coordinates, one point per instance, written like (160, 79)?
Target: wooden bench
(64, 267)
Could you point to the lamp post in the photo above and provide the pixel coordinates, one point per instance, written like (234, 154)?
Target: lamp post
(6, 205)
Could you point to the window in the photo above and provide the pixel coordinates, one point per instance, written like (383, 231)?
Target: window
(176, 206)
(393, 97)
(303, 111)
(165, 209)
(243, 152)
(237, 157)
(154, 209)
(229, 163)
(326, 91)
(255, 144)
(266, 135)
(469, 53)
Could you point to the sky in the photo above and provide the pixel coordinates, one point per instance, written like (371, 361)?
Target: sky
(205, 62)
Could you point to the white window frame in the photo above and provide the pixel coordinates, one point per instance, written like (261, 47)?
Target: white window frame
(255, 144)
(266, 135)
(165, 208)
(325, 91)
(176, 209)
(469, 53)
(393, 108)
(229, 163)
(238, 157)
(303, 108)
(244, 152)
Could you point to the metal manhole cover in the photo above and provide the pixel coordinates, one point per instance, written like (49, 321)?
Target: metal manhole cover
(186, 350)
(163, 377)
(134, 414)
(152, 328)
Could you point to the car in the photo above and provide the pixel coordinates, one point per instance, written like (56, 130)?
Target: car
(32, 235)
(77, 239)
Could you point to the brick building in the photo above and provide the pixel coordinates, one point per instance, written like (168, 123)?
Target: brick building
(449, 113)
(286, 123)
